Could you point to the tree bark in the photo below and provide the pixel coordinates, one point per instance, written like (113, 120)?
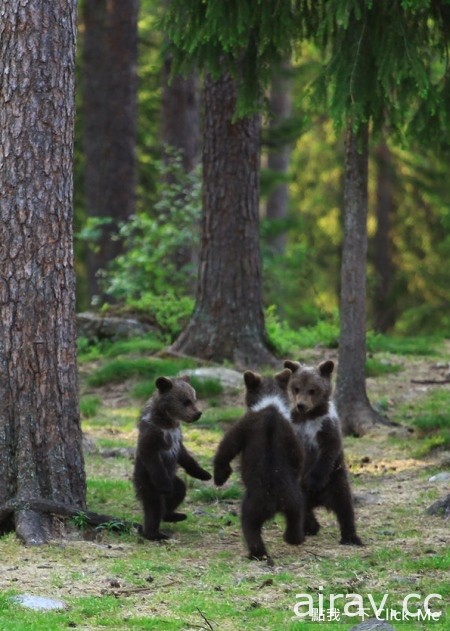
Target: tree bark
(40, 435)
(355, 411)
(280, 105)
(228, 321)
(384, 308)
(109, 113)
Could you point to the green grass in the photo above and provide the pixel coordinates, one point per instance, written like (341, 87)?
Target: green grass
(205, 388)
(89, 351)
(89, 406)
(430, 415)
(120, 369)
(421, 346)
(201, 575)
(376, 367)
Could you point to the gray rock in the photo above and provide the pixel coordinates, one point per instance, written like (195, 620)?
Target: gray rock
(361, 499)
(38, 603)
(227, 377)
(97, 327)
(373, 625)
(441, 507)
(444, 476)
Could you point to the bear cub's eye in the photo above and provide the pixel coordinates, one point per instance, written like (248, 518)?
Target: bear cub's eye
(311, 392)
(187, 402)
(296, 390)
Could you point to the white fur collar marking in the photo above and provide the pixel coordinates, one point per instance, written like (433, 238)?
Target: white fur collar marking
(275, 401)
(331, 414)
(309, 429)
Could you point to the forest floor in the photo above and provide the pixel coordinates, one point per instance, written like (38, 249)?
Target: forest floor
(200, 578)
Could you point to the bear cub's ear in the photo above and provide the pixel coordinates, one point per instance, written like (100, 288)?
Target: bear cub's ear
(185, 378)
(326, 368)
(164, 384)
(282, 378)
(251, 379)
(294, 366)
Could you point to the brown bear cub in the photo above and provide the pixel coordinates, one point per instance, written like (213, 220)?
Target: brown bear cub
(316, 424)
(160, 450)
(271, 461)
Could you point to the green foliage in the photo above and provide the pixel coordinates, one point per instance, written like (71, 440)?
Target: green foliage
(169, 311)
(375, 72)
(79, 520)
(287, 342)
(158, 245)
(246, 38)
(155, 275)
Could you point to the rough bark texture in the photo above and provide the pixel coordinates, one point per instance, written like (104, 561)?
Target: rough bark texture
(109, 87)
(228, 321)
(354, 408)
(279, 156)
(383, 303)
(40, 435)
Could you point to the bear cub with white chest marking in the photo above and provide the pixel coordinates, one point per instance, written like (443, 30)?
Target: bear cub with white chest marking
(317, 426)
(271, 461)
(160, 450)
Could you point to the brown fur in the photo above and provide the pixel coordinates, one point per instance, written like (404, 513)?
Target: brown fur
(159, 452)
(271, 461)
(315, 421)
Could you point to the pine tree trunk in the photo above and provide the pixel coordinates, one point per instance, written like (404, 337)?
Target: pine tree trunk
(355, 411)
(40, 435)
(109, 112)
(279, 156)
(228, 321)
(383, 304)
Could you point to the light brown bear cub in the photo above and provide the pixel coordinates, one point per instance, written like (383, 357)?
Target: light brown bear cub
(271, 461)
(160, 450)
(317, 426)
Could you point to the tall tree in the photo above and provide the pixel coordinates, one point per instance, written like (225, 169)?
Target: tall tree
(355, 411)
(373, 75)
(40, 435)
(228, 321)
(384, 308)
(280, 109)
(109, 114)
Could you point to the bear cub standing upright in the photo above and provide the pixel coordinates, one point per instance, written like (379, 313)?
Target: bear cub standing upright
(317, 426)
(271, 461)
(160, 450)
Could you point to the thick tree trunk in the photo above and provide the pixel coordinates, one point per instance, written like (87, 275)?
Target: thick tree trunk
(355, 411)
(40, 435)
(279, 155)
(109, 99)
(228, 321)
(383, 305)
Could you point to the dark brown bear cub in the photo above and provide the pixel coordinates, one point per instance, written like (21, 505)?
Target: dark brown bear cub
(160, 450)
(316, 423)
(271, 461)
